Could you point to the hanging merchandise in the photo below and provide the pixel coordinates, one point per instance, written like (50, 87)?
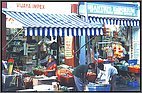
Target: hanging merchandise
(91, 76)
(118, 50)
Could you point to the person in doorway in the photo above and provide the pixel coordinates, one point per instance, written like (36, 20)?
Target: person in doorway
(51, 66)
(109, 74)
(80, 73)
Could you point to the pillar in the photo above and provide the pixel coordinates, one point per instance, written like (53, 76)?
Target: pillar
(3, 36)
(82, 57)
(70, 43)
(3, 31)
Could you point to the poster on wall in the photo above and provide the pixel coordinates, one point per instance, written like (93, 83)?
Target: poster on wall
(68, 47)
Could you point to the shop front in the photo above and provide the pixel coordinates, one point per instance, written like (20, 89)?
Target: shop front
(122, 15)
(119, 20)
(58, 26)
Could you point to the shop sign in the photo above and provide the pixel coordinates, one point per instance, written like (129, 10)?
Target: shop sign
(25, 6)
(28, 5)
(118, 9)
(40, 7)
(68, 47)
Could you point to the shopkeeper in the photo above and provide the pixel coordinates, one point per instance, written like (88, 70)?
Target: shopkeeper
(108, 73)
(80, 73)
(51, 66)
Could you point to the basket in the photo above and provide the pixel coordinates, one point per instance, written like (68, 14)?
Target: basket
(67, 80)
(59, 72)
(28, 82)
(91, 77)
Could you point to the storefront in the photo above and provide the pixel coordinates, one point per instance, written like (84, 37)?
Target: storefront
(121, 22)
(72, 26)
(123, 15)
(42, 7)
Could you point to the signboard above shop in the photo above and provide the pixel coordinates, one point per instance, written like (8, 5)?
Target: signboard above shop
(110, 8)
(40, 7)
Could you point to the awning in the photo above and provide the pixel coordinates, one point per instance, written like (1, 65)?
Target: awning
(113, 21)
(41, 24)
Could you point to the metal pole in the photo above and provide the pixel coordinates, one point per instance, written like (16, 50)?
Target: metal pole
(82, 56)
(12, 39)
(87, 37)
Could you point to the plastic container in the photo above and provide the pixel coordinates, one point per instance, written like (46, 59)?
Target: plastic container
(134, 84)
(99, 88)
(132, 62)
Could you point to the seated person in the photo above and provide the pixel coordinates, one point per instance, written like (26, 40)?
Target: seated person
(51, 66)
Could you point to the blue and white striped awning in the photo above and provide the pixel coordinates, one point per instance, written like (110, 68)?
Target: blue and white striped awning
(41, 24)
(113, 21)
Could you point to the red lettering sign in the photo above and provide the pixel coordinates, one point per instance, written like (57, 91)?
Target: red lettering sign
(33, 6)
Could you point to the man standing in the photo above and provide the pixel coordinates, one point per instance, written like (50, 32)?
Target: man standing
(80, 73)
(109, 73)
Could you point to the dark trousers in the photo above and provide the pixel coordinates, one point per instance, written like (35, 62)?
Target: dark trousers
(113, 82)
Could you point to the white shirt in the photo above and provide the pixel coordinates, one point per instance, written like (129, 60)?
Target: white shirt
(108, 73)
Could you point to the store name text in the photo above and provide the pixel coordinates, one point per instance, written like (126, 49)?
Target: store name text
(35, 6)
(114, 10)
